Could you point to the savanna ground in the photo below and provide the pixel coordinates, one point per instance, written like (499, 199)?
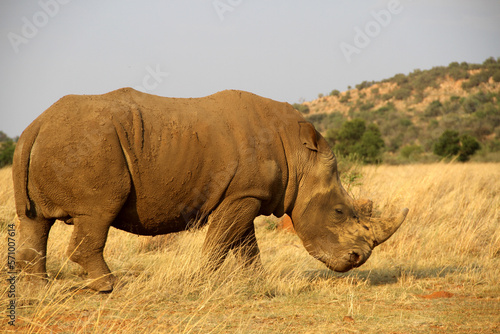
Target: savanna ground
(439, 273)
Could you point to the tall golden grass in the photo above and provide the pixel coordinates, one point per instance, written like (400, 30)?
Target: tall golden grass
(449, 243)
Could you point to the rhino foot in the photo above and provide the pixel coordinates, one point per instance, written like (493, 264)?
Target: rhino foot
(103, 284)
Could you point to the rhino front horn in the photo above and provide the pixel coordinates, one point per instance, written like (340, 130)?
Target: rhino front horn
(384, 228)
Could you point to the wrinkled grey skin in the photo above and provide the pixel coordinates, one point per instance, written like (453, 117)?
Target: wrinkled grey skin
(153, 165)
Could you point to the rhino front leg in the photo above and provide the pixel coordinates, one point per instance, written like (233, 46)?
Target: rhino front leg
(231, 227)
(86, 248)
(247, 250)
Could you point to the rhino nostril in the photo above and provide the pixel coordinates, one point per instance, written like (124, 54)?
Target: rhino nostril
(354, 257)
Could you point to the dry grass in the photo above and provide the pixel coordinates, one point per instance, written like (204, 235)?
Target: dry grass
(449, 243)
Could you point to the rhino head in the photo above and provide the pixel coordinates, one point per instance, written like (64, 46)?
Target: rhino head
(334, 228)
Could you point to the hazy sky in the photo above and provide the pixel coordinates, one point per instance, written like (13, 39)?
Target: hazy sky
(286, 50)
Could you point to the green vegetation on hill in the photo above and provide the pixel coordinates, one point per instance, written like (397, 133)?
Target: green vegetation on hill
(413, 111)
(7, 147)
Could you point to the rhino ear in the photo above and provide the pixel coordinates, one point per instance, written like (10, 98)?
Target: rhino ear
(308, 136)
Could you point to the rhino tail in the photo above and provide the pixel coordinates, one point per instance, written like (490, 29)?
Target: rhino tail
(20, 171)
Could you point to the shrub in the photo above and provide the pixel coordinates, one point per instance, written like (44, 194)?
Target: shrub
(302, 108)
(490, 62)
(450, 107)
(366, 106)
(406, 122)
(469, 146)
(422, 80)
(7, 147)
(7, 152)
(345, 98)
(370, 146)
(364, 84)
(402, 93)
(400, 79)
(435, 108)
(448, 144)
(471, 104)
(452, 144)
(411, 152)
(496, 76)
(335, 92)
(476, 79)
(386, 97)
(458, 73)
(355, 138)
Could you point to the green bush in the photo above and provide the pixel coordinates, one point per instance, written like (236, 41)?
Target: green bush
(302, 108)
(452, 144)
(355, 138)
(477, 79)
(471, 104)
(366, 106)
(335, 92)
(7, 152)
(406, 122)
(400, 79)
(448, 144)
(469, 146)
(496, 76)
(386, 97)
(411, 152)
(369, 148)
(7, 147)
(345, 98)
(435, 108)
(402, 93)
(458, 73)
(364, 84)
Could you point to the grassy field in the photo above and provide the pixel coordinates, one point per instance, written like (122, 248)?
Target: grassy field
(440, 273)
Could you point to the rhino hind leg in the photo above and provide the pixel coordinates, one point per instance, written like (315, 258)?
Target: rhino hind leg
(231, 227)
(31, 256)
(86, 248)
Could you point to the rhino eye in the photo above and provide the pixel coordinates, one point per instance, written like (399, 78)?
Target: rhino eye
(339, 211)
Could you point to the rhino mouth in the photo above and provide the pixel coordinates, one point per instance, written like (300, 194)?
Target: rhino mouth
(345, 263)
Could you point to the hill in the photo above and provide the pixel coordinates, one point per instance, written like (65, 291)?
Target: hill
(413, 110)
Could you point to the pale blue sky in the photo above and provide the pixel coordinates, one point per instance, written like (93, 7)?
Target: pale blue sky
(286, 50)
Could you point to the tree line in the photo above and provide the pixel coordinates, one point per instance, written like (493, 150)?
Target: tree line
(7, 147)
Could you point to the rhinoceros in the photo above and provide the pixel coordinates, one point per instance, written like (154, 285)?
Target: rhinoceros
(154, 165)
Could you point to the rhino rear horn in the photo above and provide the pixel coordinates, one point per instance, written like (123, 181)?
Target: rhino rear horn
(364, 206)
(383, 229)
